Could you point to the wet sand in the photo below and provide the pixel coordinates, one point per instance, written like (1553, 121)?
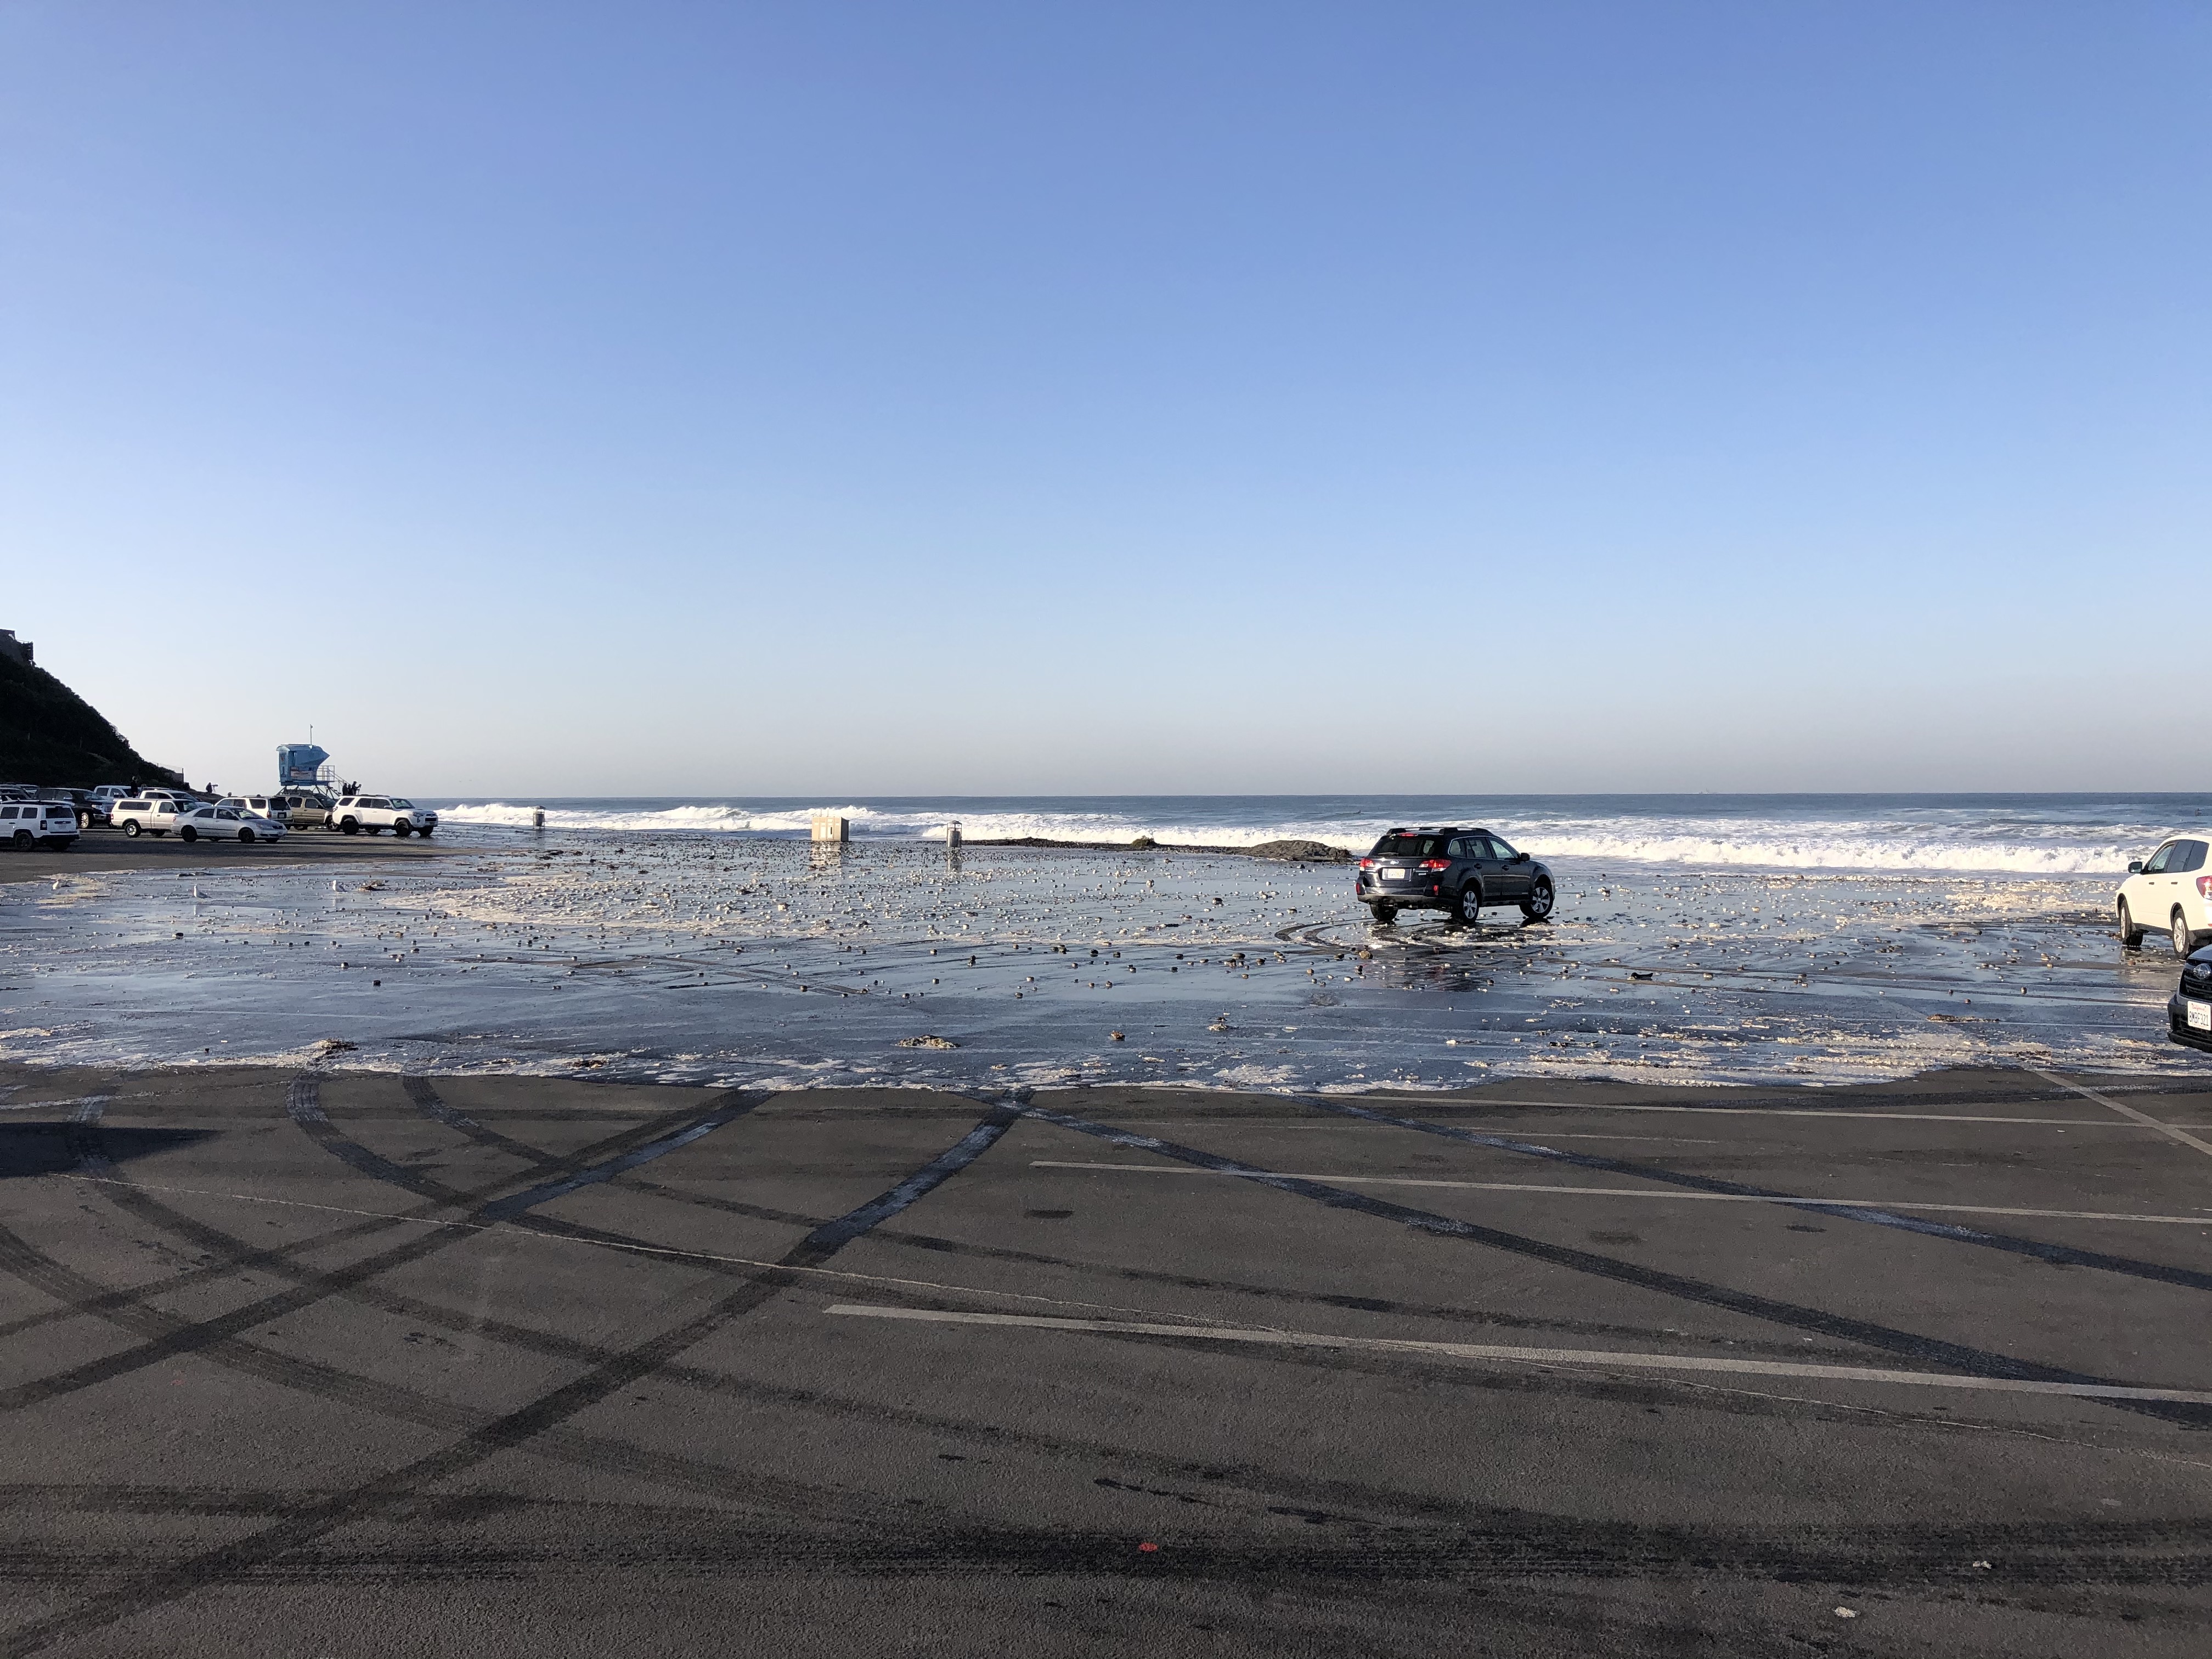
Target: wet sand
(328, 1361)
(104, 849)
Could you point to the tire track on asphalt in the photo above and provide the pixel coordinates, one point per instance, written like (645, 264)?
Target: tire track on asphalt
(2060, 1255)
(513, 1429)
(712, 1546)
(1212, 1483)
(20, 1257)
(279, 1369)
(399, 1404)
(237, 1256)
(1956, 1356)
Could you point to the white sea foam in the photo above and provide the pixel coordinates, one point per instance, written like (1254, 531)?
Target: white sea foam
(1946, 841)
(1837, 847)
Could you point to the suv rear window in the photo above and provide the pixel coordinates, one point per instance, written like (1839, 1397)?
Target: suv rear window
(1408, 846)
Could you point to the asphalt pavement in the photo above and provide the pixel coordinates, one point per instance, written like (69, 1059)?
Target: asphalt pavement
(337, 1362)
(102, 849)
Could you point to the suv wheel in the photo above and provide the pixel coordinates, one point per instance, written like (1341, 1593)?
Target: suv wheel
(1384, 913)
(1538, 904)
(350, 827)
(2131, 935)
(1467, 907)
(24, 839)
(400, 830)
(2183, 940)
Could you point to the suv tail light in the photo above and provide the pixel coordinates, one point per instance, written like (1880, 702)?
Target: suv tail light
(1367, 864)
(1435, 863)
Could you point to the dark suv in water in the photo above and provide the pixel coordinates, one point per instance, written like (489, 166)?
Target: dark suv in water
(1444, 868)
(2188, 1011)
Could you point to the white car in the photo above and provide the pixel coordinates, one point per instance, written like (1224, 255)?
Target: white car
(145, 814)
(225, 824)
(2168, 892)
(272, 807)
(26, 824)
(102, 802)
(354, 814)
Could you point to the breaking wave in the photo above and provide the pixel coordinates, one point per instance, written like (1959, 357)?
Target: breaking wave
(2070, 840)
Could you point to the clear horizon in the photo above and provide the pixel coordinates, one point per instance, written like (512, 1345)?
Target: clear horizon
(658, 402)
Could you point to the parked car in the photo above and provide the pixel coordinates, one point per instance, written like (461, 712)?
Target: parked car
(304, 810)
(89, 806)
(145, 814)
(354, 814)
(225, 824)
(100, 801)
(2168, 892)
(75, 799)
(48, 823)
(275, 808)
(1454, 870)
(2188, 1011)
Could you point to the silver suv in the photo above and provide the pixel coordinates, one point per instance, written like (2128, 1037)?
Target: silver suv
(354, 814)
(1444, 867)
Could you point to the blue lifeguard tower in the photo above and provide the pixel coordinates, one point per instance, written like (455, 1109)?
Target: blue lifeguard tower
(304, 766)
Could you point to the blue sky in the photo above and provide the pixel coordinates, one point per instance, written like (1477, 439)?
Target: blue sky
(851, 399)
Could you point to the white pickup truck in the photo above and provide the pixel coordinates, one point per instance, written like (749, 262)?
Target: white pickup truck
(354, 814)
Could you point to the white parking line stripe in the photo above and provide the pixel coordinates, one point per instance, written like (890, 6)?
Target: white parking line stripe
(1791, 1200)
(2149, 1123)
(1549, 1134)
(1658, 1362)
(1779, 1111)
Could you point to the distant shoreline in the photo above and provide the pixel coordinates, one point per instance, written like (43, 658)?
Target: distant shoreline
(1288, 852)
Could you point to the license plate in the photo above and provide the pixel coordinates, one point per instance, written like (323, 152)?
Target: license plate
(1397, 875)
(2200, 1016)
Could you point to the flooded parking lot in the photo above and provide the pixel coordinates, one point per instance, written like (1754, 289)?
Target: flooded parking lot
(691, 958)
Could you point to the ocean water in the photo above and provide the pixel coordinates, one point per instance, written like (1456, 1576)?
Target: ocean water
(1699, 941)
(2052, 834)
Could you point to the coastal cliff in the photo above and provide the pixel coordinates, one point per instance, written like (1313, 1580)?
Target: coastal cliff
(49, 735)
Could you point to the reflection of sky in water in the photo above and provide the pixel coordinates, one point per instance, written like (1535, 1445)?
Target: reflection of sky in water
(690, 958)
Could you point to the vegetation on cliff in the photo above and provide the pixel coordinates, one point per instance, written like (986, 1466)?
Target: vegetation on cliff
(49, 735)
